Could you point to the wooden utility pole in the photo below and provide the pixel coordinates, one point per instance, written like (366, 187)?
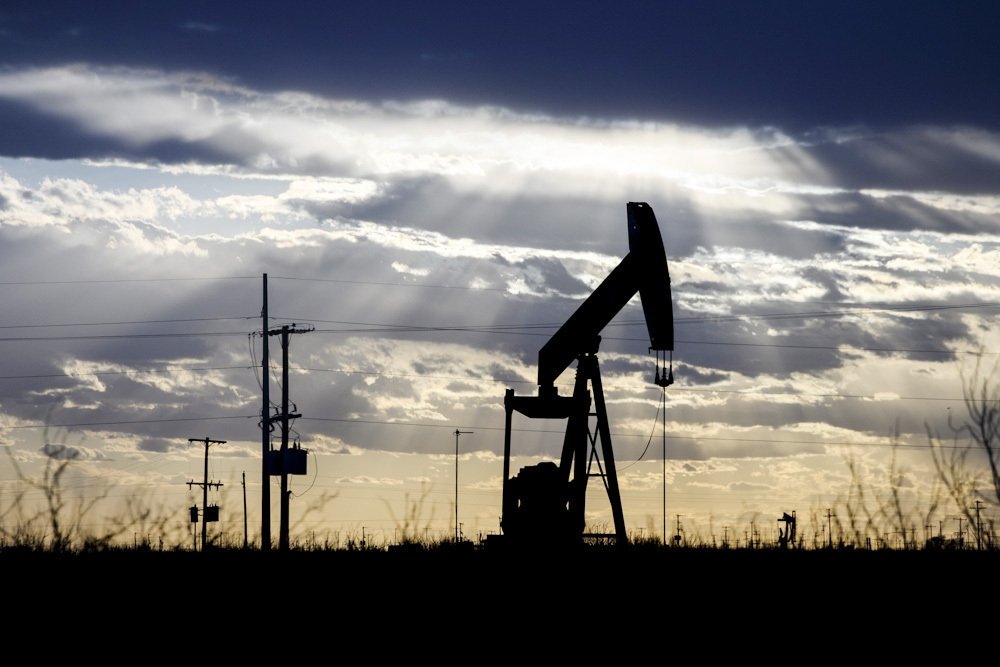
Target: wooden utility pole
(458, 526)
(246, 533)
(204, 488)
(979, 527)
(829, 525)
(664, 409)
(265, 435)
(285, 331)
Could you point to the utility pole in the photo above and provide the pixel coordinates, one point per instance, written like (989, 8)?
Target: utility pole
(663, 393)
(285, 331)
(246, 533)
(979, 527)
(204, 488)
(458, 527)
(961, 541)
(265, 435)
(829, 525)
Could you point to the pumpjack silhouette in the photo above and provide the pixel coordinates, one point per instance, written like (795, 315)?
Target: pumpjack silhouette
(545, 503)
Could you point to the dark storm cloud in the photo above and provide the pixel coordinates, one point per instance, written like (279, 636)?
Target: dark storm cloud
(28, 132)
(693, 376)
(154, 445)
(788, 64)
(499, 372)
(895, 212)
(829, 279)
(958, 160)
(435, 203)
(748, 349)
(728, 355)
(751, 230)
(25, 132)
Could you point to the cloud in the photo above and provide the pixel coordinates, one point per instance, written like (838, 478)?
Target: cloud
(160, 445)
(436, 246)
(960, 160)
(369, 481)
(737, 68)
(745, 487)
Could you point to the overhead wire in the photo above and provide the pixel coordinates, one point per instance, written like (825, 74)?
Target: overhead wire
(770, 441)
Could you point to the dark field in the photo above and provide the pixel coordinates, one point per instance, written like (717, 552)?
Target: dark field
(678, 586)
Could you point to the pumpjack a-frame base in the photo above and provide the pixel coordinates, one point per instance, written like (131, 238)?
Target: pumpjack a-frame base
(560, 513)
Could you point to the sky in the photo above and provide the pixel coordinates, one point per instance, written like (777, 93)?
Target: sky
(435, 188)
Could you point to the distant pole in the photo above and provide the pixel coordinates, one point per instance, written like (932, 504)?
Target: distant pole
(246, 532)
(458, 528)
(979, 527)
(664, 400)
(829, 525)
(265, 435)
(204, 488)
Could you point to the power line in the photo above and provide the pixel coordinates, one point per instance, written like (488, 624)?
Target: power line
(712, 318)
(171, 369)
(484, 428)
(104, 324)
(402, 329)
(748, 392)
(871, 397)
(918, 308)
(391, 284)
(524, 330)
(770, 441)
(177, 334)
(133, 421)
(352, 371)
(517, 329)
(101, 281)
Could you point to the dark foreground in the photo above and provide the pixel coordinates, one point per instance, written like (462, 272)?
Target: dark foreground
(270, 599)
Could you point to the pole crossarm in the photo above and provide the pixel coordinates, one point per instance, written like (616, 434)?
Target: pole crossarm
(208, 442)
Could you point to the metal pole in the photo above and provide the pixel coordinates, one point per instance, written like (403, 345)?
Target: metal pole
(283, 535)
(204, 502)
(664, 401)
(265, 438)
(457, 526)
(246, 533)
(979, 527)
